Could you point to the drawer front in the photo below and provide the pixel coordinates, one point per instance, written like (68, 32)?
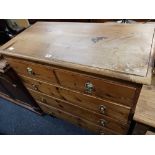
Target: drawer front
(106, 89)
(33, 70)
(76, 120)
(97, 105)
(121, 92)
(97, 119)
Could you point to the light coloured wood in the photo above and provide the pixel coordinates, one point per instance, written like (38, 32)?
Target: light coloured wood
(113, 109)
(63, 58)
(118, 91)
(80, 112)
(76, 120)
(40, 72)
(145, 109)
(122, 51)
(108, 89)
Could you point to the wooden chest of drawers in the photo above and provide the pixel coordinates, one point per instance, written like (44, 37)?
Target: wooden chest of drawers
(67, 73)
(104, 110)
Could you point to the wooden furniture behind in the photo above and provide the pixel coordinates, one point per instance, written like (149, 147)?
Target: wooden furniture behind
(12, 89)
(88, 74)
(145, 109)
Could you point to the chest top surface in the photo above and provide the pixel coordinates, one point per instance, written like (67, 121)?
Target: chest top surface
(123, 51)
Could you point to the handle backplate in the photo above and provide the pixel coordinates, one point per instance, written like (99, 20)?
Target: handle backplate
(89, 87)
(30, 71)
(102, 109)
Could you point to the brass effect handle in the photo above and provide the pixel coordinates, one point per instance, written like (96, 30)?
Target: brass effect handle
(30, 71)
(103, 122)
(35, 87)
(89, 87)
(102, 109)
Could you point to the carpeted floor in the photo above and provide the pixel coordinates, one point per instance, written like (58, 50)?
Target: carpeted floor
(15, 120)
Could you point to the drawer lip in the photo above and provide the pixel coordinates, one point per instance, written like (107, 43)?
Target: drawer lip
(78, 67)
(104, 128)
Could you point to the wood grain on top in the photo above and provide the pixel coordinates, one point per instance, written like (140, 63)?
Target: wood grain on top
(117, 50)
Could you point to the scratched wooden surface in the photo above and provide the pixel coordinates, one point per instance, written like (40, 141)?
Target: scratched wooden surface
(122, 51)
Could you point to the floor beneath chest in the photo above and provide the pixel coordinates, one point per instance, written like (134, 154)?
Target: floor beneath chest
(15, 120)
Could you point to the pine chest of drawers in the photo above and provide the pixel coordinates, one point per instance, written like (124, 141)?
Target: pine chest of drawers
(89, 74)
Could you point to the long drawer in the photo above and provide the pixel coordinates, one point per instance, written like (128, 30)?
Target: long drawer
(107, 89)
(103, 107)
(97, 119)
(122, 92)
(76, 120)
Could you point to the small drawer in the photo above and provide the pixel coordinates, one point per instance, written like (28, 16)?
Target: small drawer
(76, 120)
(97, 105)
(33, 70)
(86, 114)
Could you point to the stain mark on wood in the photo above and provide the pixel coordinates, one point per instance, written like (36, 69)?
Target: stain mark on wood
(97, 39)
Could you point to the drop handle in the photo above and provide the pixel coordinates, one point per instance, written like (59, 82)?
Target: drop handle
(30, 71)
(102, 109)
(103, 122)
(35, 87)
(89, 87)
